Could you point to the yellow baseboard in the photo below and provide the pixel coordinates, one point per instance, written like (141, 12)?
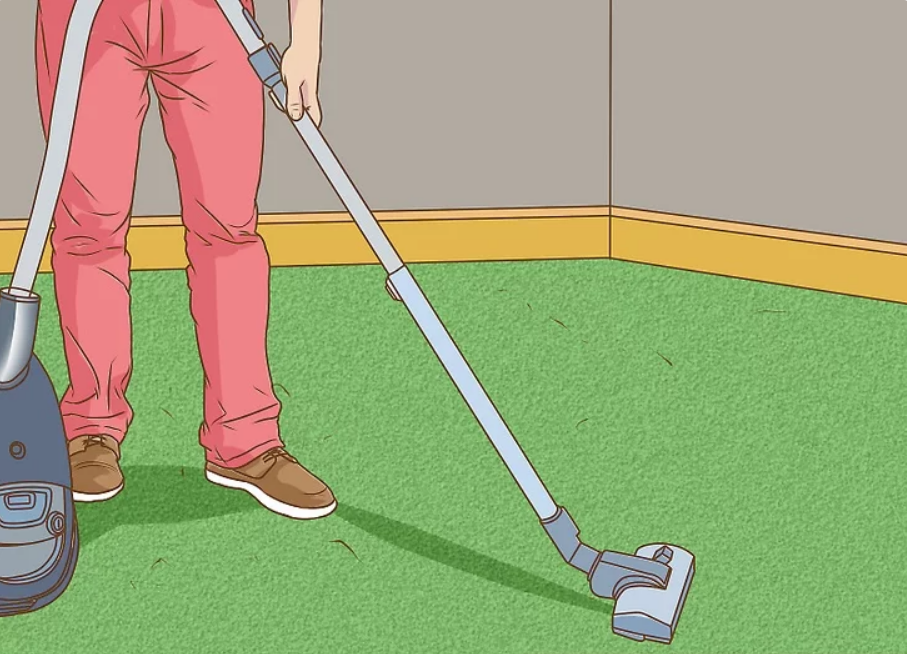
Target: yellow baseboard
(851, 266)
(157, 242)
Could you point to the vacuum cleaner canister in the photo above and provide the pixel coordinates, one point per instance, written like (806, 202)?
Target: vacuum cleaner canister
(39, 539)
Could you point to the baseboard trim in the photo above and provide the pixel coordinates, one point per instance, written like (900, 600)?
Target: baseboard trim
(332, 238)
(837, 264)
(822, 262)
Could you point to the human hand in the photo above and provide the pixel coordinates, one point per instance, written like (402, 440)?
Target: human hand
(299, 69)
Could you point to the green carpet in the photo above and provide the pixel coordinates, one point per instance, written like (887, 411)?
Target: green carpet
(760, 426)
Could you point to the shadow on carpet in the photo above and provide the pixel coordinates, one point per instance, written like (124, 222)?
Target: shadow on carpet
(173, 495)
(156, 495)
(445, 552)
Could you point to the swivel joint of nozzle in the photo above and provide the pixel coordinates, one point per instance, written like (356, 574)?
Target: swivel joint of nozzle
(609, 573)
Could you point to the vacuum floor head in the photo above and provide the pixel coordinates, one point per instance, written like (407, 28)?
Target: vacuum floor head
(38, 531)
(650, 613)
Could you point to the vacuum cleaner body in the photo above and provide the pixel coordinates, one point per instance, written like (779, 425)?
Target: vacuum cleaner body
(39, 539)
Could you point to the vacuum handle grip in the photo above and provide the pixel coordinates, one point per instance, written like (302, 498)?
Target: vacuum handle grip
(266, 63)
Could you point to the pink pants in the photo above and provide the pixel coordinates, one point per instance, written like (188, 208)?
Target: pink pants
(212, 108)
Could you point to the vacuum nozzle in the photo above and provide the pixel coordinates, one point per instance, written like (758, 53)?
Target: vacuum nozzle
(650, 587)
(650, 612)
(18, 328)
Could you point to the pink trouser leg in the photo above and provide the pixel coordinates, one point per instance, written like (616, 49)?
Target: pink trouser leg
(212, 107)
(90, 263)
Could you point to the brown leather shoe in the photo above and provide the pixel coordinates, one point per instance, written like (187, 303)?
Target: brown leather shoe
(279, 483)
(95, 464)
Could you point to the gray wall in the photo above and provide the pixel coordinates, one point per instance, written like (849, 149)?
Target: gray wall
(787, 113)
(427, 104)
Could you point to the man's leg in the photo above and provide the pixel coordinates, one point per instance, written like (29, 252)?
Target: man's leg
(212, 108)
(89, 259)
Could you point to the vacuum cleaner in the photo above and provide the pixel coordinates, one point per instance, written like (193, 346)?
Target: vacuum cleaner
(650, 586)
(39, 535)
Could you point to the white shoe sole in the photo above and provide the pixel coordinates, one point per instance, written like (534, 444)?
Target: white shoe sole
(269, 502)
(96, 497)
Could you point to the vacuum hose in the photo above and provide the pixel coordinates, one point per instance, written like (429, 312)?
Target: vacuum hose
(18, 303)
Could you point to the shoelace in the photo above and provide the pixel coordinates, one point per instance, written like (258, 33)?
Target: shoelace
(276, 453)
(94, 440)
